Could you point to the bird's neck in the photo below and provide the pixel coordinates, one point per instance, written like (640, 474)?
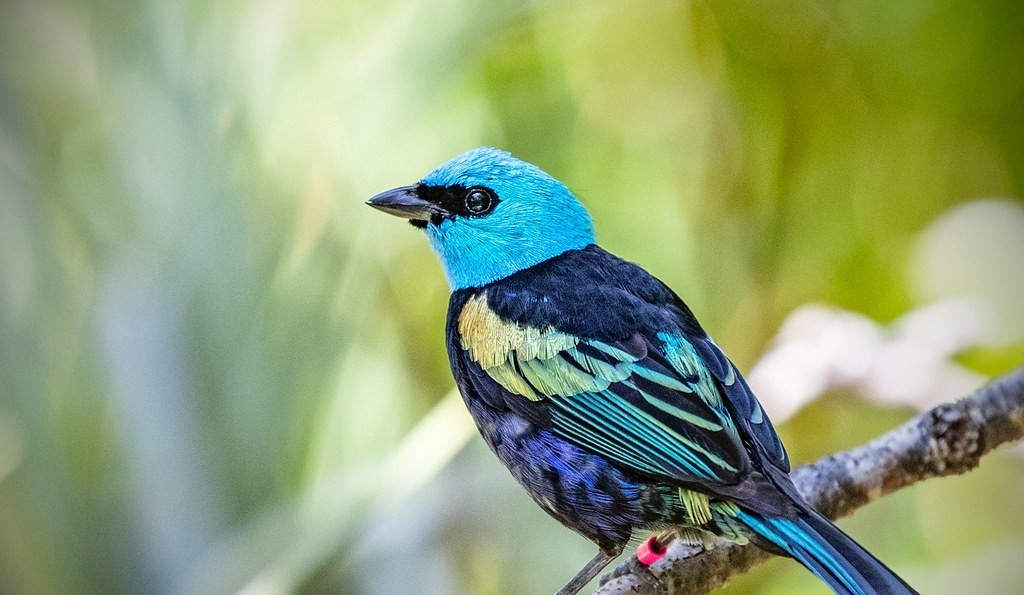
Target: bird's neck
(484, 263)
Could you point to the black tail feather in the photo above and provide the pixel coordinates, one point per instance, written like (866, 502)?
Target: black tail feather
(828, 552)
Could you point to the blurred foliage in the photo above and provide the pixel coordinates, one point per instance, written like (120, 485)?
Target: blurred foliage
(211, 350)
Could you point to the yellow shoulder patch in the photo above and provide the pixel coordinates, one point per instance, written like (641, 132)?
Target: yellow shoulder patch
(492, 341)
(530, 361)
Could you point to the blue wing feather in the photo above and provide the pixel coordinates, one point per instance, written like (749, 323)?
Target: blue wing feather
(663, 415)
(738, 392)
(680, 413)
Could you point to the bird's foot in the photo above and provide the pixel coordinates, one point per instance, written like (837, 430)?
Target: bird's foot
(647, 553)
(651, 550)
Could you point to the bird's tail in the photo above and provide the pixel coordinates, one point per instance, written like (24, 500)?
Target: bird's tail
(833, 556)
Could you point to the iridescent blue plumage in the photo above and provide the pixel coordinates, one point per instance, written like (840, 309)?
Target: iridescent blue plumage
(596, 386)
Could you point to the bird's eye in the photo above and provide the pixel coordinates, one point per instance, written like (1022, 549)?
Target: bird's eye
(478, 201)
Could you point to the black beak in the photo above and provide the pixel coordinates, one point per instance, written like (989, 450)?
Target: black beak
(406, 202)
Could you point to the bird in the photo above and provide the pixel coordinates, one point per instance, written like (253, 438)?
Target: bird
(596, 386)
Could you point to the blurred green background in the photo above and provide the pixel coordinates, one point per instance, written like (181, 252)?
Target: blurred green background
(221, 372)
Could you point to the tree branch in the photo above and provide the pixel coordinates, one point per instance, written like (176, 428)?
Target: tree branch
(947, 440)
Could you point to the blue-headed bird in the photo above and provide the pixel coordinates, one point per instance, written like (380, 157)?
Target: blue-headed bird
(595, 385)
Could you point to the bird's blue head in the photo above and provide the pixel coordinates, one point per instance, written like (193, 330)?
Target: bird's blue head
(489, 215)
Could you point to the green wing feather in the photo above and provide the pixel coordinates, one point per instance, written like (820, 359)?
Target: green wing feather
(660, 413)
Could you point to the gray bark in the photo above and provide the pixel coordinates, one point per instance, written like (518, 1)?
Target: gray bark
(947, 440)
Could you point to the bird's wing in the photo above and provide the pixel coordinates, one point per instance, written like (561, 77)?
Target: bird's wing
(747, 409)
(653, 404)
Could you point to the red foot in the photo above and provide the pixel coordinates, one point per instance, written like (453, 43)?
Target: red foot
(650, 551)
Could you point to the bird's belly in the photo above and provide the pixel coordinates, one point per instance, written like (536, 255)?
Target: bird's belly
(583, 491)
